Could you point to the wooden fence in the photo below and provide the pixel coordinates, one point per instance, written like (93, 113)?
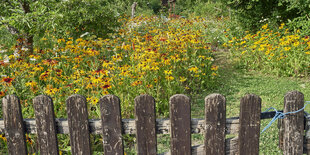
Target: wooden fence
(145, 126)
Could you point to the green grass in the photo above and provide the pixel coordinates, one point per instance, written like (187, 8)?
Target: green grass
(235, 83)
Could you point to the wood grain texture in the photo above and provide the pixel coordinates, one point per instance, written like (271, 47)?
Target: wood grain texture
(180, 118)
(231, 147)
(46, 126)
(77, 103)
(293, 123)
(128, 125)
(78, 125)
(281, 133)
(111, 125)
(14, 125)
(215, 120)
(249, 131)
(145, 125)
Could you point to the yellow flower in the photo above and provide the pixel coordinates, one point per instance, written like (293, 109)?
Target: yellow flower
(182, 79)
(69, 42)
(169, 78)
(60, 40)
(287, 48)
(296, 43)
(214, 67)
(168, 72)
(50, 90)
(281, 27)
(76, 90)
(92, 100)
(265, 26)
(2, 137)
(136, 83)
(193, 69)
(31, 84)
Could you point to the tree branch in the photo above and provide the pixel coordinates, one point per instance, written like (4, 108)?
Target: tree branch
(25, 5)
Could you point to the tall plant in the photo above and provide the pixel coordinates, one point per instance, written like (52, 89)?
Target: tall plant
(28, 19)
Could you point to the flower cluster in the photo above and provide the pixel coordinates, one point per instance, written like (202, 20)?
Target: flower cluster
(145, 56)
(279, 51)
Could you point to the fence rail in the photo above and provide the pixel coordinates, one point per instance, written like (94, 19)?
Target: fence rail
(128, 125)
(145, 126)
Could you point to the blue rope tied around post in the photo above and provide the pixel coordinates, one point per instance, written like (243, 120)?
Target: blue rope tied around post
(281, 115)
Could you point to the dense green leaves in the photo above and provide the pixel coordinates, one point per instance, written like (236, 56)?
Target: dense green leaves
(254, 13)
(62, 18)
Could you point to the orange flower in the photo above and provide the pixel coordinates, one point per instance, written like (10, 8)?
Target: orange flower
(7, 80)
(162, 39)
(2, 93)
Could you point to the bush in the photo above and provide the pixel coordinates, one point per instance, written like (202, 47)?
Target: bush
(252, 14)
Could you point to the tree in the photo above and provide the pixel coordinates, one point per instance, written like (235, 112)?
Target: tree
(253, 13)
(27, 19)
(172, 5)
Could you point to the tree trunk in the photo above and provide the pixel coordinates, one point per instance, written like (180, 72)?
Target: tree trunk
(164, 3)
(25, 45)
(172, 6)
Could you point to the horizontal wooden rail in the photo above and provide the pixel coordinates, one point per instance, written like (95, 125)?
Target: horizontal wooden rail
(163, 125)
(231, 145)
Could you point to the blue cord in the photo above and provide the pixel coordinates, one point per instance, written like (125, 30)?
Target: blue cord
(281, 115)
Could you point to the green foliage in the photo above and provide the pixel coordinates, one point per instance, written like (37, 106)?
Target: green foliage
(278, 52)
(62, 18)
(210, 9)
(155, 5)
(254, 13)
(302, 23)
(94, 16)
(6, 39)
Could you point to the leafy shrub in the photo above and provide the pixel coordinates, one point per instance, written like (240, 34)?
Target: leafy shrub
(252, 14)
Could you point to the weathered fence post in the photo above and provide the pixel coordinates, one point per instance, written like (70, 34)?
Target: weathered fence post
(249, 131)
(111, 125)
(307, 136)
(215, 122)
(45, 123)
(78, 125)
(14, 125)
(180, 119)
(293, 124)
(145, 125)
